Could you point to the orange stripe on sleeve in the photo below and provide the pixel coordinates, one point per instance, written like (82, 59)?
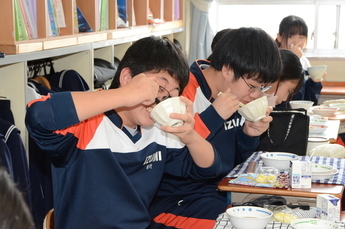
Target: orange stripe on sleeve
(190, 90)
(43, 98)
(84, 130)
(200, 127)
(181, 222)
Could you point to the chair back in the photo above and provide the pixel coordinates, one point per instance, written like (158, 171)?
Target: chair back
(48, 222)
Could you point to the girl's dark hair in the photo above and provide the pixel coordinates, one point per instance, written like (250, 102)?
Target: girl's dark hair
(14, 210)
(153, 54)
(249, 52)
(292, 69)
(216, 38)
(291, 25)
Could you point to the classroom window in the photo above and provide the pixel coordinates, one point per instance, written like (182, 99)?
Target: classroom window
(325, 19)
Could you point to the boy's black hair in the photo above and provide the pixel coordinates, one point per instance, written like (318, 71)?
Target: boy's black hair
(153, 54)
(292, 69)
(177, 43)
(250, 52)
(292, 25)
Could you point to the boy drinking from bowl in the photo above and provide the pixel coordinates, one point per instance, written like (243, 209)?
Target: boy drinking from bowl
(243, 64)
(108, 159)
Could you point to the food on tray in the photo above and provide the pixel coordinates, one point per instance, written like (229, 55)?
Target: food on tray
(266, 178)
(284, 217)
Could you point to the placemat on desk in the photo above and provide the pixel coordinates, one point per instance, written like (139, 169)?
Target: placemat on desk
(338, 163)
(223, 222)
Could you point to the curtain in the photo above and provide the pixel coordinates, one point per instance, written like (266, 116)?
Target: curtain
(201, 33)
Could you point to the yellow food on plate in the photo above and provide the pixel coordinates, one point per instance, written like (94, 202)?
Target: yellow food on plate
(261, 178)
(284, 217)
(266, 178)
(271, 178)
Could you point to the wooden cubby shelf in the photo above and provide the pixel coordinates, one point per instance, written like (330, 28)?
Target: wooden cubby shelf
(74, 50)
(137, 11)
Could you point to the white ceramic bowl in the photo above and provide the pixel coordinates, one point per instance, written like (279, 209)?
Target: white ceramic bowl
(311, 223)
(322, 172)
(161, 112)
(301, 104)
(323, 176)
(314, 142)
(317, 71)
(341, 106)
(317, 129)
(318, 122)
(249, 217)
(255, 110)
(279, 160)
(324, 111)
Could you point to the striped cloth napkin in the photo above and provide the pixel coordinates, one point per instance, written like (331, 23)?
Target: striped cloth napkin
(338, 163)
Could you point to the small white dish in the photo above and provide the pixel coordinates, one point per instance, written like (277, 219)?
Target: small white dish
(322, 172)
(317, 129)
(324, 111)
(341, 106)
(301, 104)
(255, 110)
(327, 102)
(161, 112)
(323, 176)
(322, 168)
(318, 122)
(312, 223)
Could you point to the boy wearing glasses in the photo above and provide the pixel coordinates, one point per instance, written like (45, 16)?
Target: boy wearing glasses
(243, 64)
(107, 157)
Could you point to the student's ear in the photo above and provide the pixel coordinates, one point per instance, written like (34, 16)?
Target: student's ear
(125, 76)
(279, 38)
(227, 72)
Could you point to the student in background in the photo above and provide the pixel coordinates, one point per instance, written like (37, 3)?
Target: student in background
(243, 64)
(108, 158)
(216, 38)
(293, 35)
(290, 81)
(14, 212)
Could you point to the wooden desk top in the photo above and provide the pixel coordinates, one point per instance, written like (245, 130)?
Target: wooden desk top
(333, 189)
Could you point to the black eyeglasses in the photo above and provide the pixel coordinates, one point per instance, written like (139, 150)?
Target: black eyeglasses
(254, 89)
(163, 94)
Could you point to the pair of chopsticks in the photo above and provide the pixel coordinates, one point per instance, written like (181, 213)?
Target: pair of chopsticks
(239, 103)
